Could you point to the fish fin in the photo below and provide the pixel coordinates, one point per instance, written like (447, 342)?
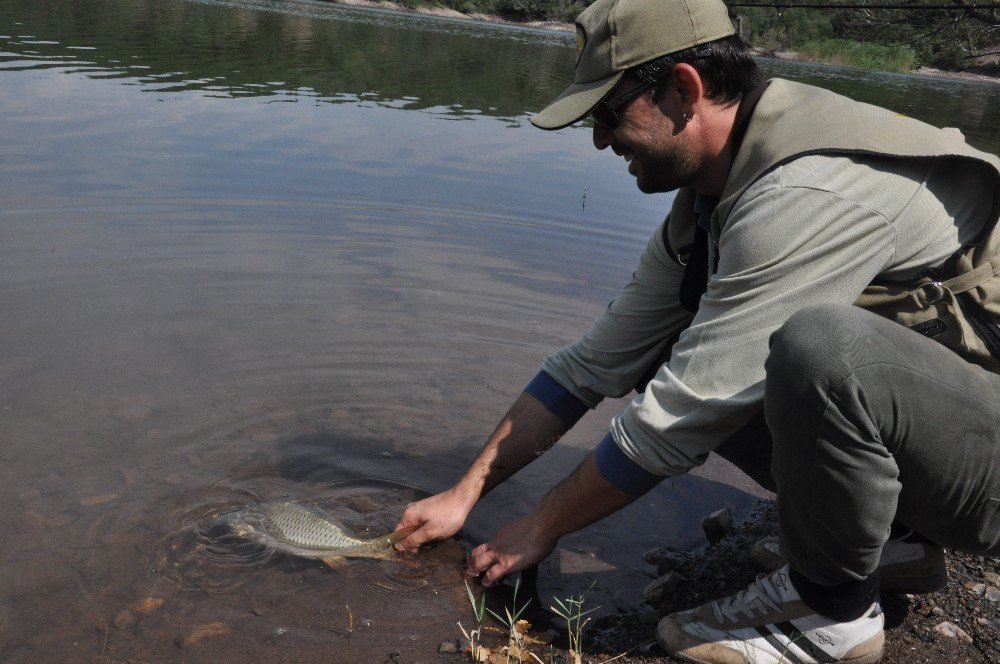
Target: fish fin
(337, 563)
(402, 533)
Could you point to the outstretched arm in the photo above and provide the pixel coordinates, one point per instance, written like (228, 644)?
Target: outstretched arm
(584, 497)
(526, 432)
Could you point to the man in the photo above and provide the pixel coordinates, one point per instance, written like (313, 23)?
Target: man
(737, 331)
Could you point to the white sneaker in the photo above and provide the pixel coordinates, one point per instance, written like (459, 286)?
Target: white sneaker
(768, 623)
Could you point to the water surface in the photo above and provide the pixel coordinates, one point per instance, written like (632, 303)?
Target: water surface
(258, 250)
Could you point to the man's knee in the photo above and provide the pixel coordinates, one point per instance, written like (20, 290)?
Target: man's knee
(812, 352)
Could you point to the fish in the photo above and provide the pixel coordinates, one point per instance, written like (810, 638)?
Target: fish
(309, 532)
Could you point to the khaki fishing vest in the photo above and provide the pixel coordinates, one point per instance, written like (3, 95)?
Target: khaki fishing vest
(957, 305)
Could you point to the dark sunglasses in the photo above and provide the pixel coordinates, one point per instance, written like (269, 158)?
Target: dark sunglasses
(606, 111)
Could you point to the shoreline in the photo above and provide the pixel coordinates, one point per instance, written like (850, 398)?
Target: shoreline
(558, 26)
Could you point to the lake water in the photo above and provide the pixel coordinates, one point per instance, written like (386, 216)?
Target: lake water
(258, 249)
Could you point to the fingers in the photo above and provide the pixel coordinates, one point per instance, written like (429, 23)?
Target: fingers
(489, 563)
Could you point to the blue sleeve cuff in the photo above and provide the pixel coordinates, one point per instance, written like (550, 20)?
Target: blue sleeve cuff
(556, 398)
(621, 471)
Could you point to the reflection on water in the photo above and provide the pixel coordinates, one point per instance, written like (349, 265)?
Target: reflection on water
(213, 299)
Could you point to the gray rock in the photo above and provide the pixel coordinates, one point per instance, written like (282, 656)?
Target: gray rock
(717, 524)
(659, 590)
(977, 589)
(953, 631)
(938, 611)
(992, 578)
(665, 560)
(766, 554)
(992, 594)
(447, 647)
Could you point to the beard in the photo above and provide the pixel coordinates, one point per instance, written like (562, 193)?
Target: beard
(663, 171)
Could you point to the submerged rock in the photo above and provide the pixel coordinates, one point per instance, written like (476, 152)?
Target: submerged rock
(204, 631)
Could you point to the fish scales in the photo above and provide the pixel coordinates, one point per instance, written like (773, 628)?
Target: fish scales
(308, 532)
(301, 526)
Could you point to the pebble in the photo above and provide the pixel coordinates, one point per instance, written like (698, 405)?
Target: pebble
(646, 648)
(953, 631)
(977, 589)
(203, 632)
(766, 554)
(992, 624)
(992, 594)
(665, 560)
(448, 647)
(124, 619)
(938, 611)
(657, 591)
(992, 578)
(147, 605)
(103, 499)
(717, 524)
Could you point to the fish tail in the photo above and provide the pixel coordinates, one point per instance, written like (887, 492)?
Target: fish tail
(402, 533)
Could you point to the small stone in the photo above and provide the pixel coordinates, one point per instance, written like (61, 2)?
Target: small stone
(657, 591)
(766, 554)
(938, 611)
(448, 647)
(58, 521)
(124, 619)
(29, 495)
(992, 624)
(147, 605)
(204, 631)
(953, 631)
(131, 476)
(977, 589)
(992, 578)
(103, 499)
(665, 560)
(386, 455)
(717, 525)
(992, 594)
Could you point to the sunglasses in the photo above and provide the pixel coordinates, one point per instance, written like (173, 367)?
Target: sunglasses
(606, 112)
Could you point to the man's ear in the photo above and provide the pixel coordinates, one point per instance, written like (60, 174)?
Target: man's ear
(690, 87)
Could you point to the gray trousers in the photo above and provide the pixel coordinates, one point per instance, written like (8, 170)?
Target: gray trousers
(868, 422)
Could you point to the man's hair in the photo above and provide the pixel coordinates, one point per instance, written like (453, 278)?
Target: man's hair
(725, 65)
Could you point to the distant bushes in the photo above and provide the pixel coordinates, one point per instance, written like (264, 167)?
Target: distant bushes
(863, 55)
(893, 40)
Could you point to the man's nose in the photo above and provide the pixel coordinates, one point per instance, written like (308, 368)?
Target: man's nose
(602, 136)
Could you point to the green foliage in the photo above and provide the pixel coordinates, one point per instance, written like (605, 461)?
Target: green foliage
(571, 610)
(863, 55)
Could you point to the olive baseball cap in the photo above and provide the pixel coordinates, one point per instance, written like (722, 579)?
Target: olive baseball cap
(614, 35)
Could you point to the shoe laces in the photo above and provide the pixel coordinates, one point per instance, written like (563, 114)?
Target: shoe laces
(761, 595)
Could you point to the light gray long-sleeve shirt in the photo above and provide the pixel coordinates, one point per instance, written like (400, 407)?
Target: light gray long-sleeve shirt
(817, 229)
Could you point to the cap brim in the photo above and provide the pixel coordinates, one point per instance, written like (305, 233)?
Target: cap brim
(574, 103)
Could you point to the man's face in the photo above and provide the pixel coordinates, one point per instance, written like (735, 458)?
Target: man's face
(650, 140)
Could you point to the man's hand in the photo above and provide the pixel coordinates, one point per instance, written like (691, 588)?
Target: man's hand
(438, 517)
(516, 547)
